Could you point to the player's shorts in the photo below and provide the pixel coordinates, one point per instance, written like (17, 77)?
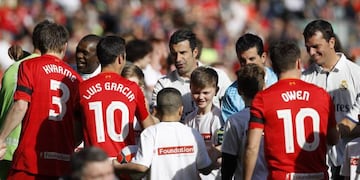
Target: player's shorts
(298, 176)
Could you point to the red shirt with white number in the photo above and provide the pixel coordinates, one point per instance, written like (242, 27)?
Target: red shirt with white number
(295, 116)
(109, 104)
(47, 139)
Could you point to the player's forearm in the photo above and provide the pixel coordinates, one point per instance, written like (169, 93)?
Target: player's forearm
(14, 117)
(251, 152)
(78, 133)
(347, 128)
(333, 136)
(148, 122)
(249, 163)
(129, 168)
(2, 150)
(355, 132)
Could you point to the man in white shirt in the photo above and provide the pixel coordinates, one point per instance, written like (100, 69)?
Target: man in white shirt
(184, 50)
(340, 77)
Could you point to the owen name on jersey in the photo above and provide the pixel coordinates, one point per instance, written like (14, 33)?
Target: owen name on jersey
(52, 68)
(109, 86)
(295, 95)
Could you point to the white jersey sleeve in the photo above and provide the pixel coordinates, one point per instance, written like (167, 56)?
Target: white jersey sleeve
(145, 152)
(354, 112)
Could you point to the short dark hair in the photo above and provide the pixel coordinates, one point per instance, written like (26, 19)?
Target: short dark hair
(319, 26)
(90, 38)
(53, 38)
(108, 48)
(247, 41)
(203, 77)
(183, 35)
(137, 49)
(37, 33)
(131, 70)
(283, 55)
(81, 158)
(250, 80)
(168, 101)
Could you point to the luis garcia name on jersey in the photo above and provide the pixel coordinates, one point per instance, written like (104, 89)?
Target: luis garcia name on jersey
(109, 86)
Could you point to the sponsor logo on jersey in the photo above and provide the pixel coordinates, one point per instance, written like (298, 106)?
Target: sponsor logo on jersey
(175, 150)
(343, 85)
(354, 161)
(206, 136)
(307, 176)
(55, 155)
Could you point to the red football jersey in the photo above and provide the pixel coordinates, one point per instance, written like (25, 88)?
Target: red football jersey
(47, 139)
(295, 116)
(109, 104)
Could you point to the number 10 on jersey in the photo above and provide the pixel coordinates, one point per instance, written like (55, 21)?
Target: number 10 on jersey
(110, 120)
(286, 116)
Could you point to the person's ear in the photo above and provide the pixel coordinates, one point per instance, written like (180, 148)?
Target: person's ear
(156, 113)
(195, 52)
(332, 42)
(181, 109)
(263, 57)
(63, 49)
(121, 59)
(298, 63)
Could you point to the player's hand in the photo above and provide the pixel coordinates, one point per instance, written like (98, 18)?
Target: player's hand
(215, 155)
(2, 150)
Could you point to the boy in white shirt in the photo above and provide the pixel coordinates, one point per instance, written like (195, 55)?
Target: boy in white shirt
(207, 117)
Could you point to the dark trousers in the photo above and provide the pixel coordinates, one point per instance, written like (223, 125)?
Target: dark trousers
(335, 173)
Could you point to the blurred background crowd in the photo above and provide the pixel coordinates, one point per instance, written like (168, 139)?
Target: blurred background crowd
(217, 23)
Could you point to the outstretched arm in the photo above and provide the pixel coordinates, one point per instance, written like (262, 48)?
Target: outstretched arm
(129, 168)
(347, 128)
(148, 122)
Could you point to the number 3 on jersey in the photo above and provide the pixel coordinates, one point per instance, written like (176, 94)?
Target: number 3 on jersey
(110, 120)
(59, 101)
(286, 116)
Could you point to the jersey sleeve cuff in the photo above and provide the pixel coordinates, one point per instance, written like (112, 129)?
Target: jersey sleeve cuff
(352, 119)
(253, 125)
